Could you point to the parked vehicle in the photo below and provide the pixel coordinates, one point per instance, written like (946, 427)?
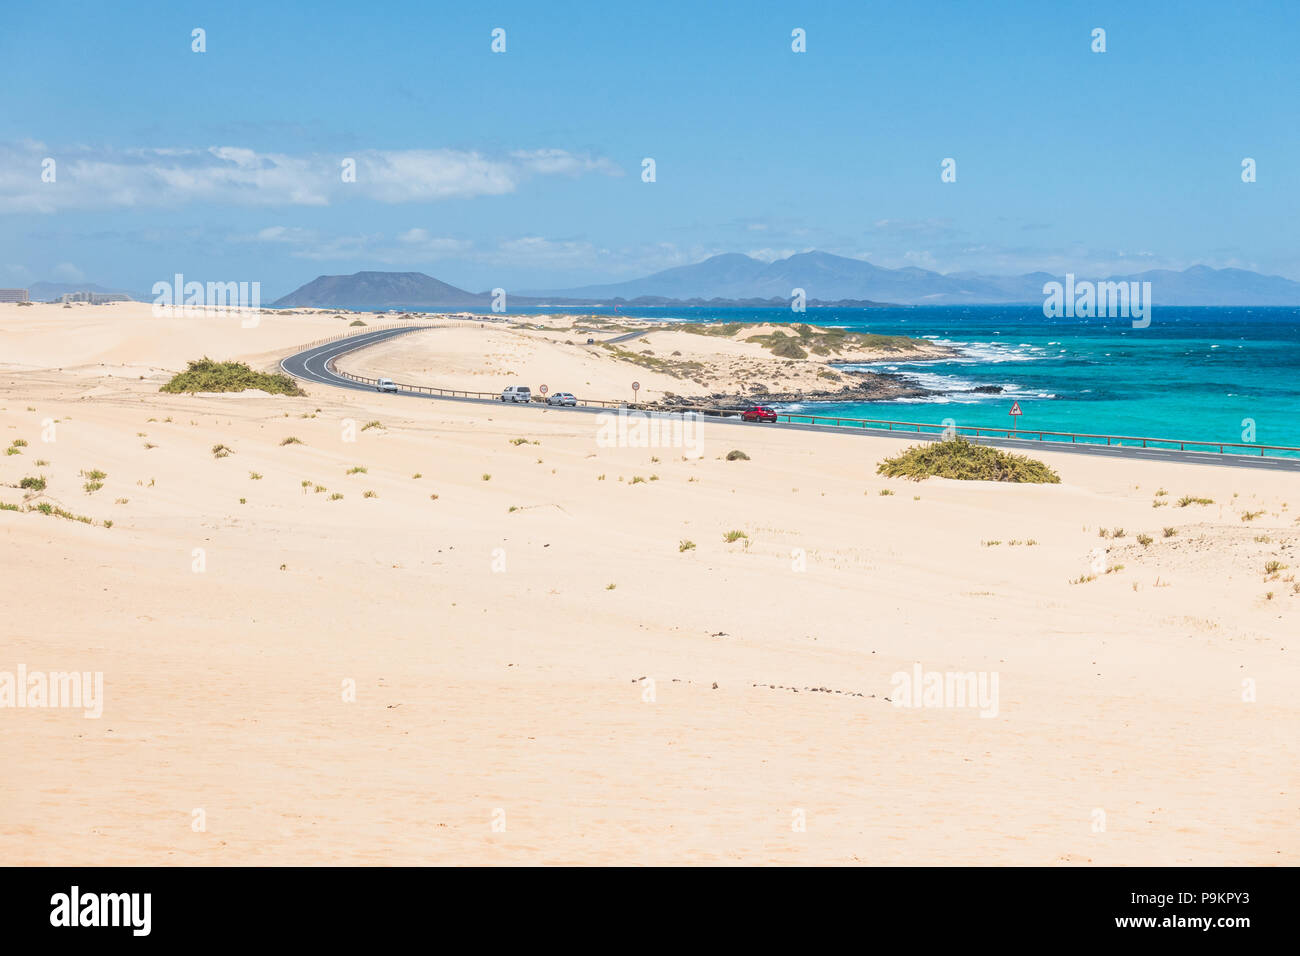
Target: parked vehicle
(562, 398)
(385, 385)
(758, 413)
(517, 393)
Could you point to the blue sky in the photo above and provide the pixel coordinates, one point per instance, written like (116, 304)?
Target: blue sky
(523, 169)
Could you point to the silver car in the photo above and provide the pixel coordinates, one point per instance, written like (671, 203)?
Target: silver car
(562, 398)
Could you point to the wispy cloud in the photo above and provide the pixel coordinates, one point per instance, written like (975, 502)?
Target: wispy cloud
(85, 178)
(418, 245)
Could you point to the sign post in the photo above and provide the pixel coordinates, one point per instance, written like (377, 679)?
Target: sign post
(1015, 413)
(636, 387)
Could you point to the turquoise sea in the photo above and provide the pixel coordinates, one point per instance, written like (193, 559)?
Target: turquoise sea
(1195, 373)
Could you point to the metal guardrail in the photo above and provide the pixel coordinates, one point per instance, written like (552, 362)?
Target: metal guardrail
(456, 392)
(922, 429)
(1125, 441)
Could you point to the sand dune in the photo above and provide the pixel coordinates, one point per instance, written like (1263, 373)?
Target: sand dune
(555, 352)
(497, 633)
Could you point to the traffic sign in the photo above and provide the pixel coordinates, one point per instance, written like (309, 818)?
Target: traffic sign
(1015, 409)
(542, 389)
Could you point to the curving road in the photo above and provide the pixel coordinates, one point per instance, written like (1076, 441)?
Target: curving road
(311, 365)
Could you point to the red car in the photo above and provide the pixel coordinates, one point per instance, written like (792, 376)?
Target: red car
(759, 413)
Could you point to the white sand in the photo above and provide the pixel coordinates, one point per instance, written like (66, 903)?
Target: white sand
(517, 690)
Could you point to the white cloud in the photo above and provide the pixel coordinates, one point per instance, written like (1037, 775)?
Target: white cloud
(13, 272)
(67, 272)
(771, 255)
(87, 178)
(411, 246)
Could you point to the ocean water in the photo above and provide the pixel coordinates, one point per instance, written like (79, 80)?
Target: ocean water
(1200, 374)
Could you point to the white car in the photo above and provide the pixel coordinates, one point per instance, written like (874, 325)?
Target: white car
(517, 393)
(385, 385)
(562, 398)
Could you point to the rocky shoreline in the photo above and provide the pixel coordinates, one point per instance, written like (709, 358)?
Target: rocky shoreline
(867, 387)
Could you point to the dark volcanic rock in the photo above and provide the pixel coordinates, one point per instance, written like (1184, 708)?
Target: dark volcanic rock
(868, 387)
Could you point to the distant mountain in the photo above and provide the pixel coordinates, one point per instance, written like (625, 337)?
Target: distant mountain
(413, 291)
(381, 290)
(51, 291)
(826, 277)
(1201, 285)
(733, 279)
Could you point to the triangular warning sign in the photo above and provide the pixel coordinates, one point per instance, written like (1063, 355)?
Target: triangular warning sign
(1015, 409)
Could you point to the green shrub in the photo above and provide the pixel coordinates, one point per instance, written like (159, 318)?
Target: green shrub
(964, 461)
(207, 375)
(788, 347)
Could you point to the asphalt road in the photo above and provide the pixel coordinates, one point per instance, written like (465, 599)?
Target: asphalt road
(310, 366)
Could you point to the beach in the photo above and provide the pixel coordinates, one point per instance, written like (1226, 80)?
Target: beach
(515, 658)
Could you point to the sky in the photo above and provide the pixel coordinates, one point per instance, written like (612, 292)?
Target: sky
(523, 169)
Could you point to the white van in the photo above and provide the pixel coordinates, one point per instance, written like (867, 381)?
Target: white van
(517, 393)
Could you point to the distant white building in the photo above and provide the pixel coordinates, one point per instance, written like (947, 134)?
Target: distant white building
(13, 295)
(94, 298)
